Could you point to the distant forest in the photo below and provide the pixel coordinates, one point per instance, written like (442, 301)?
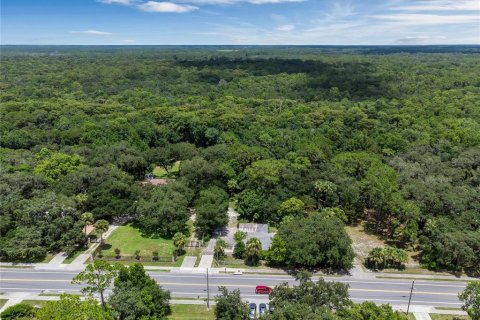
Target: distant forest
(385, 135)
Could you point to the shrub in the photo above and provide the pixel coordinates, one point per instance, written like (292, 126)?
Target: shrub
(18, 311)
(388, 257)
(155, 255)
(117, 253)
(239, 250)
(137, 254)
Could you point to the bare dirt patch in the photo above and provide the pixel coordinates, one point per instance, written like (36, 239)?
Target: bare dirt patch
(362, 242)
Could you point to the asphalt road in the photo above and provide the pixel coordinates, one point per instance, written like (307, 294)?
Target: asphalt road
(181, 285)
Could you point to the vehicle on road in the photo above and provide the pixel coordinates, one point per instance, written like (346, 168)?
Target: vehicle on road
(253, 311)
(262, 309)
(263, 290)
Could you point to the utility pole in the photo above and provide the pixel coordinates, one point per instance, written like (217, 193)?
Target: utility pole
(208, 292)
(410, 299)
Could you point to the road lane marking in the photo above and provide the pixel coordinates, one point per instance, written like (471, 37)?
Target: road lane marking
(251, 286)
(266, 279)
(404, 302)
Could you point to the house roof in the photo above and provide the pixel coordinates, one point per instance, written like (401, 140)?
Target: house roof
(88, 229)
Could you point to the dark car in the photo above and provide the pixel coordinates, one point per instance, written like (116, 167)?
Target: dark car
(253, 311)
(262, 309)
(263, 289)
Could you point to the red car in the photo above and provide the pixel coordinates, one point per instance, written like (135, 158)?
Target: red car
(263, 290)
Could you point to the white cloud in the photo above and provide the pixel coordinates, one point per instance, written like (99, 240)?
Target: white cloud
(229, 2)
(272, 1)
(442, 5)
(128, 41)
(124, 2)
(286, 27)
(154, 6)
(92, 32)
(428, 19)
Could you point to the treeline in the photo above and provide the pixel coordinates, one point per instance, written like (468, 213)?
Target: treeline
(390, 139)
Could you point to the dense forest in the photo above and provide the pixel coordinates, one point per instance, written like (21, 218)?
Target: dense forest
(386, 135)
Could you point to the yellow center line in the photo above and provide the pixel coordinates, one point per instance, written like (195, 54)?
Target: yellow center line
(249, 286)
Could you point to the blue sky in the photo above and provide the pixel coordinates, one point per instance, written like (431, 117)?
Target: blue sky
(270, 22)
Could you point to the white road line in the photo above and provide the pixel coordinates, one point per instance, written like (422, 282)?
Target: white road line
(403, 301)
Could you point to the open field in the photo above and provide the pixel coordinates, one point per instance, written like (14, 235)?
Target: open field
(363, 242)
(130, 239)
(35, 303)
(191, 312)
(160, 172)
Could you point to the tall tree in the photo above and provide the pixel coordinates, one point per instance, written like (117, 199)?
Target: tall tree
(137, 296)
(71, 307)
(97, 277)
(101, 226)
(179, 241)
(230, 305)
(253, 251)
(471, 299)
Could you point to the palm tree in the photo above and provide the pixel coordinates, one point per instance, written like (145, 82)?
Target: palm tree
(102, 227)
(219, 250)
(87, 219)
(81, 199)
(253, 251)
(179, 241)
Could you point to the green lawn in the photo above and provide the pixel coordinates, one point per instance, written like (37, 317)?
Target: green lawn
(2, 302)
(436, 316)
(191, 312)
(75, 254)
(231, 262)
(129, 239)
(35, 303)
(160, 172)
(48, 257)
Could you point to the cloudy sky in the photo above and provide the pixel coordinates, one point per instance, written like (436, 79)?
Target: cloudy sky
(315, 22)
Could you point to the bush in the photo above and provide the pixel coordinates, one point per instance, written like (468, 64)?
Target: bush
(155, 255)
(239, 250)
(388, 257)
(117, 253)
(137, 254)
(18, 311)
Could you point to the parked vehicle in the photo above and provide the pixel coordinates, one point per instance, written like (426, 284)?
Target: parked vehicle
(253, 311)
(263, 290)
(262, 309)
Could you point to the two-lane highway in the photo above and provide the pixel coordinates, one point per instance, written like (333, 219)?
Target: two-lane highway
(194, 285)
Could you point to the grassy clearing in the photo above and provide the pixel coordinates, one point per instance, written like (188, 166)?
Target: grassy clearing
(2, 302)
(231, 262)
(191, 312)
(35, 303)
(363, 242)
(48, 257)
(146, 264)
(436, 316)
(448, 308)
(129, 239)
(75, 254)
(160, 172)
